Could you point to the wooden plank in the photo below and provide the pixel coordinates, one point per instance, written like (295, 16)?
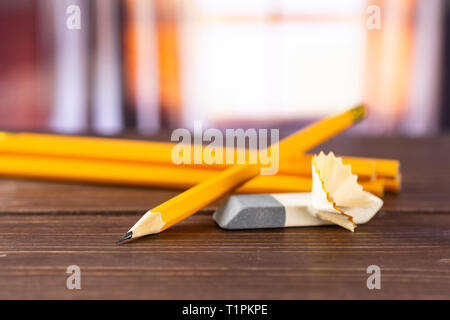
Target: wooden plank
(197, 260)
(45, 227)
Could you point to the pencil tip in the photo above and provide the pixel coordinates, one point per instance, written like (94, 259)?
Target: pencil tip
(126, 236)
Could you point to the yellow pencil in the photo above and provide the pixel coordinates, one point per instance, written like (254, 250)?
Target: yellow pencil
(387, 168)
(85, 147)
(141, 174)
(285, 183)
(187, 203)
(363, 168)
(392, 184)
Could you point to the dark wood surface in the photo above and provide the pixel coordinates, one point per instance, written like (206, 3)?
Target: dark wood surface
(45, 227)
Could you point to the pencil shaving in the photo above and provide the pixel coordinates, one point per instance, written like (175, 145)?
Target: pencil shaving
(338, 219)
(334, 189)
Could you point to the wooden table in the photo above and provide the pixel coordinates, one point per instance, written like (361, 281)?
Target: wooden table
(45, 227)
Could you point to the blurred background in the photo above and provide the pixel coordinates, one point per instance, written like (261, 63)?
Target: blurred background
(147, 66)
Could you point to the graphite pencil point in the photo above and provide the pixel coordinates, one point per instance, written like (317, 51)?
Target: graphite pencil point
(126, 236)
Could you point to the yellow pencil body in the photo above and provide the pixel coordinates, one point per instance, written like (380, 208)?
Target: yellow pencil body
(363, 168)
(140, 174)
(85, 147)
(392, 184)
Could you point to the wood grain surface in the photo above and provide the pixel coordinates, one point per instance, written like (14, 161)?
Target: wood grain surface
(46, 226)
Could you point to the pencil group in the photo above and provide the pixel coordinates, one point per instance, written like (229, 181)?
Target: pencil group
(145, 163)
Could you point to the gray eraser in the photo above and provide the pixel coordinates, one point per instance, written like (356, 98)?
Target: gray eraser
(250, 212)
